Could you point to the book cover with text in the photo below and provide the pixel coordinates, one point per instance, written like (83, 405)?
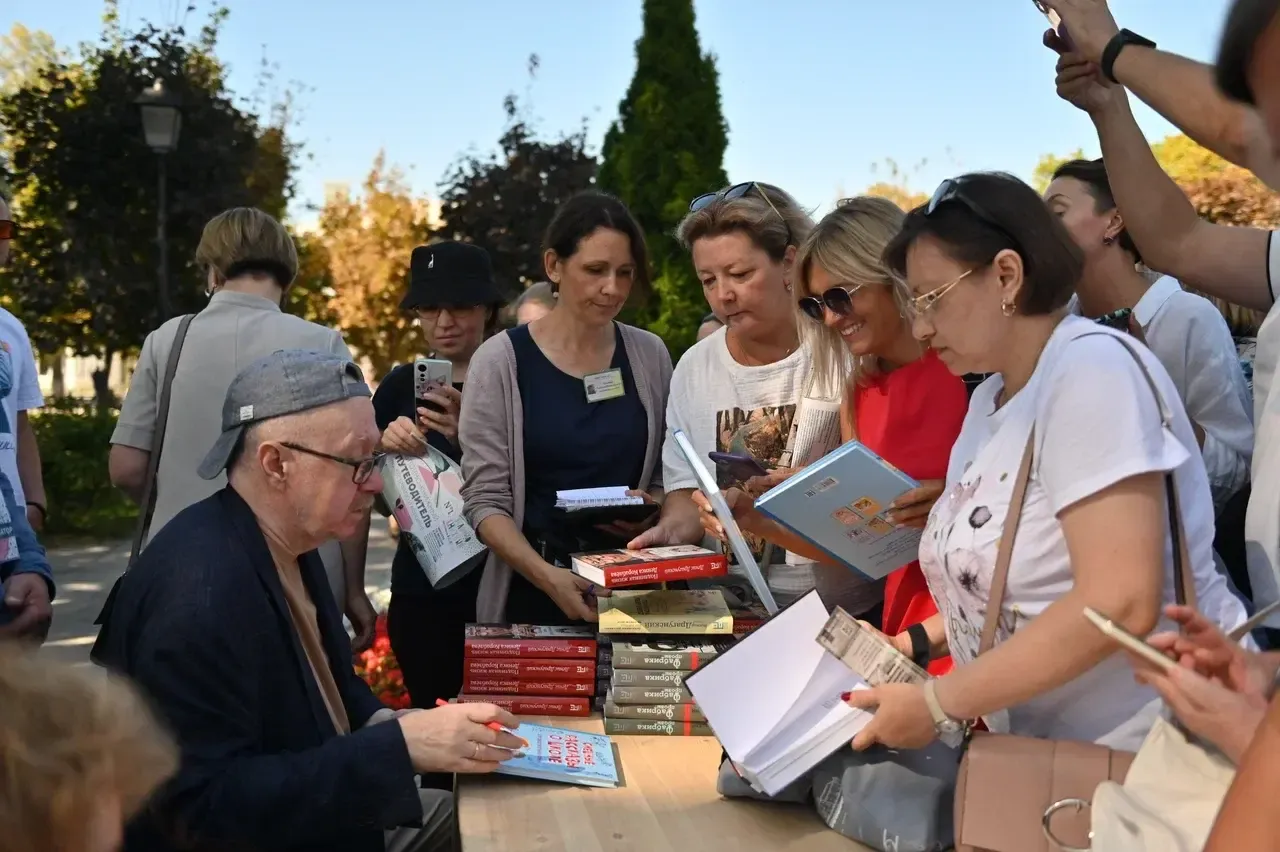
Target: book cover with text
(563, 755)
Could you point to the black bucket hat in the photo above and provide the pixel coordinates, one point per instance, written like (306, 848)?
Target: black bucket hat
(450, 274)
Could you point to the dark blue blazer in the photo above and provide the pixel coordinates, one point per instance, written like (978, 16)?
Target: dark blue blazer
(201, 625)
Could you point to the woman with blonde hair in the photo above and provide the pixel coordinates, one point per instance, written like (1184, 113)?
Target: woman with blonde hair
(899, 399)
(740, 390)
(80, 754)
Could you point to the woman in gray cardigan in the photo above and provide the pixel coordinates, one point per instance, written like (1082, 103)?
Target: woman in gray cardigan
(571, 400)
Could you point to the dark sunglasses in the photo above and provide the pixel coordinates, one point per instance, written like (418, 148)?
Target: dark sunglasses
(739, 190)
(7, 229)
(362, 469)
(838, 300)
(952, 190)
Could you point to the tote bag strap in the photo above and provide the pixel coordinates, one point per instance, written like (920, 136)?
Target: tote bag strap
(1183, 577)
(148, 506)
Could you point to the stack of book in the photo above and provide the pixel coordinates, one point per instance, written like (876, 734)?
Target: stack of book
(655, 639)
(530, 669)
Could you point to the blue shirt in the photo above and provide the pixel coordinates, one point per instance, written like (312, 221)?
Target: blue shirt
(569, 442)
(31, 556)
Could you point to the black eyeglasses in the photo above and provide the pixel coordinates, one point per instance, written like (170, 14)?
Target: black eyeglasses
(838, 300)
(951, 190)
(362, 468)
(739, 190)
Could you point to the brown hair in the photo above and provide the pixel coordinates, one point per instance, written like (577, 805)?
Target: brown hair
(1093, 174)
(68, 737)
(770, 217)
(585, 213)
(245, 239)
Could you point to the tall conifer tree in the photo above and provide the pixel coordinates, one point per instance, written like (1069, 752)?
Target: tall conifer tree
(666, 147)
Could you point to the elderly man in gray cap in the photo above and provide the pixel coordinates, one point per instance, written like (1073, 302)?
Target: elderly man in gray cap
(225, 622)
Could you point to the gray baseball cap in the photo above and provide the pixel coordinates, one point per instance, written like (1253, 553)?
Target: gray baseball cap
(287, 381)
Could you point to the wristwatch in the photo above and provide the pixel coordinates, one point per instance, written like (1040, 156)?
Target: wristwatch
(950, 731)
(919, 645)
(1119, 42)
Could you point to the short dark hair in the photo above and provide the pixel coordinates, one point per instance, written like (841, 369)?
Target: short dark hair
(1093, 174)
(1013, 216)
(584, 213)
(1245, 23)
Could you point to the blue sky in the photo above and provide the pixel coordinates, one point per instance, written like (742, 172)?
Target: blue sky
(816, 92)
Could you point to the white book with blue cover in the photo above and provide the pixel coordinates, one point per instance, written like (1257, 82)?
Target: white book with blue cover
(838, 504)
(564, 755)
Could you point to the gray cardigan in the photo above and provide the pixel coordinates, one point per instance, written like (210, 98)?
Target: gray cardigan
(491, 429)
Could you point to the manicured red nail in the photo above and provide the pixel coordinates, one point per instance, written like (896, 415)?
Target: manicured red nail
(845, 696)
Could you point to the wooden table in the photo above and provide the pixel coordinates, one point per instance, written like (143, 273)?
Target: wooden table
(667, 802)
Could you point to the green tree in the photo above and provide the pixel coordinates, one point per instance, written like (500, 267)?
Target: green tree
(666, 147)
(364, 243)
(83, 274)
(503, 202)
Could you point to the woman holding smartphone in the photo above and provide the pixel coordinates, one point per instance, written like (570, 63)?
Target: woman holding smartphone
(571, 400)
(453, 295)
(899, 400)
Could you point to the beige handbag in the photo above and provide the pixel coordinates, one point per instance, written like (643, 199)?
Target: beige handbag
(1013, 793)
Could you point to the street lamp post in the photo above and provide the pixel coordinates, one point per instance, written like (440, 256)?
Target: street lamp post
(161, 123)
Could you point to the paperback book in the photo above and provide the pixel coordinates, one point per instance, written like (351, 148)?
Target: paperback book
(563, 755)
(838, 504)
(866, 652)
(662, 611)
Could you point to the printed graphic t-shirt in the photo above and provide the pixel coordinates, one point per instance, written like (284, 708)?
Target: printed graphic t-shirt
(1084, 386)
(19, 391)
(723, 406)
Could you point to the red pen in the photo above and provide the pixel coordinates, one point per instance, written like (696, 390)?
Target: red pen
(493, 726)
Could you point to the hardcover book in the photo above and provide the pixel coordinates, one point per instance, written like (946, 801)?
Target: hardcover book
(656, 654)
(528, 640)
(646, 677)
(838, 504)
(533, 705)
(563, 755)
(690, 611)
(650, 695)
(520, 668)
(618, 568)
(669, 712)
(659, 728)
(490, 686)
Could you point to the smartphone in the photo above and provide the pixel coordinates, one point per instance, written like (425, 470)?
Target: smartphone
(1055, 21)
(1130, 642)
(429, 374)
(740, 466)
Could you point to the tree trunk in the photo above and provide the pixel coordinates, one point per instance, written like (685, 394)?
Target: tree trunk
(102, 395)
(59, 384)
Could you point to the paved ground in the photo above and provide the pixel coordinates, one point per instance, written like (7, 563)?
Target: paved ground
(85, 574)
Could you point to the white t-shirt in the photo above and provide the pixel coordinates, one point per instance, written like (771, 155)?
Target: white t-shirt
(1262, 522)
(724, 406)
(19, 391)
(1084, 386)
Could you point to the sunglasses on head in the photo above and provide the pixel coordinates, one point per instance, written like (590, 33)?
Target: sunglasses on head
(952, 190)
(7, 229)
(838, 300)
(738, 190)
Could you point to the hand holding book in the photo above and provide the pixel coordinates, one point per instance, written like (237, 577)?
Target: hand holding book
(901, 716)
(757, 485)
(912, 509)
(575, 596)
(627, 530)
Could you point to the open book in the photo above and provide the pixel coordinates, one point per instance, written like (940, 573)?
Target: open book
(773, 699)
(711, 490)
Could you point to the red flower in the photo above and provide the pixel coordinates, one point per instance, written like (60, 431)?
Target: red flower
(379, 668)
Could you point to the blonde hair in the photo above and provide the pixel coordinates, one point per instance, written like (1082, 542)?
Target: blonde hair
(848, 243)
(245, 239)
(770, 217)
(68, 738)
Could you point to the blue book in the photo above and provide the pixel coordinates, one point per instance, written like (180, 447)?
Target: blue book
(838, 504)
(564, 755)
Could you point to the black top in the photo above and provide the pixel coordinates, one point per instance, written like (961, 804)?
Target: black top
(394, 398)
(200, 624)
(572, 443)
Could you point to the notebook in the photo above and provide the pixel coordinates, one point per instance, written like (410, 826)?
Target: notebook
(592, 506)
(838, 505)
(707, 484)
(563, 755)
(773, 699)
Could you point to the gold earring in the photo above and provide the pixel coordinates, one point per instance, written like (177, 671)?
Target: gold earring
(1007, 308)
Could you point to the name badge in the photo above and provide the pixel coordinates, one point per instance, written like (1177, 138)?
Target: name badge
(604, 385)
